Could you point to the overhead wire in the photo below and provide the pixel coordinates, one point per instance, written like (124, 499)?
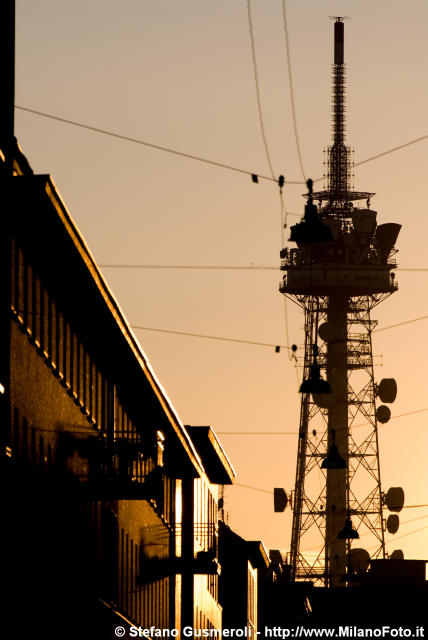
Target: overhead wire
(198, 335)
(270, 492)
(385, 153)
(268, 344)
(295, 433)
(165, 266)
(148, 144)
(290, 83)
(250, 267)
(400, 324)
(404, 535)
(281, 180)
(192, 156)
(256, 81)
(245, 486)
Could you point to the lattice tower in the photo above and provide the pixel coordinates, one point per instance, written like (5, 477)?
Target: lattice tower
(340, 270)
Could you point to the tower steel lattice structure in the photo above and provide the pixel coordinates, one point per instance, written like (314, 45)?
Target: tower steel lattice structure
(340, 270)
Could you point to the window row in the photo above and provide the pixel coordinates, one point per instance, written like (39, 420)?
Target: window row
(51, 332)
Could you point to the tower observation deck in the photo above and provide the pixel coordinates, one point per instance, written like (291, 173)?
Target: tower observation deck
(341, 268)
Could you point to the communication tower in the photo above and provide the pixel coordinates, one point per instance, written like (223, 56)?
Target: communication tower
(340, 270)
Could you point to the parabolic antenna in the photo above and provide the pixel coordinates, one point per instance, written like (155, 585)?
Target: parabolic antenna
(280, 499)
(386, 235)
(383, 414)
(330, 332)
(359, 560)
(394, 498)
(392, 523)
(387, 390)
(397, 555)
(324, 400)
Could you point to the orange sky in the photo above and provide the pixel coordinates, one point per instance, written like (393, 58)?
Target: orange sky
(180, 75)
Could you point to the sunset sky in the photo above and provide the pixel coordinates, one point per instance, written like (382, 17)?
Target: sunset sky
(180, 75)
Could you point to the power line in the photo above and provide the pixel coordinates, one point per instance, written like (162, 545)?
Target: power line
(256, 81)
(411, 506)
(399, 324)
(245, 486)
(399, 537)
(269, 344)
(250, 267)
(387, 541)
(198, 335)
(414, 506)
(295, 433)
(257, 433)
(290, 83)
(385, 153)
(193, 157)
(166, 266)
(148, 144)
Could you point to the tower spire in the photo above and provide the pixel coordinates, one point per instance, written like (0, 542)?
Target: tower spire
(339, 155)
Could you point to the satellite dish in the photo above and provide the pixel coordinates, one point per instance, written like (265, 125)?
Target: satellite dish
(397, 555)
(324, 400)
(387, 390)
(394, 499)
(329, 332)
(280, 499)
(386, 235)
(392, 523)
(383, 414)
(359, 560)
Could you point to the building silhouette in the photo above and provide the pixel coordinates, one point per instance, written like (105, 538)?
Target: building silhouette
(111, 502)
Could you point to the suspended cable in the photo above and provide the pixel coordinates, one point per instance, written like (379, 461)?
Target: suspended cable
(399, 324)
(256, 81)
(198, 335)
(385, 153)
(250, 267)
(193, 157)
(366, 533)
(290, 83)
(268, 344)
(414, 506)
(399, 537)
(149, 144)
(166, 266)
(400, 415)
(295, 433)
(245, 486)
(257, 433)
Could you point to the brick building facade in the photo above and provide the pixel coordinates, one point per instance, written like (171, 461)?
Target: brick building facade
(100, 477)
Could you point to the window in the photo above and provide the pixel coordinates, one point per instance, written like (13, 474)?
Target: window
(37, 309)
(19, 282)
(52, 331)
(28, 298)
(160, 446)
(44, 321)
(60, 344)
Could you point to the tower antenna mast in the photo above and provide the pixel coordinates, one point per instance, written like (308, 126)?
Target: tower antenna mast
(340, 270)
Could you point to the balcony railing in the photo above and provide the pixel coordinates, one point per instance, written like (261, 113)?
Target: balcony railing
(111, 470)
